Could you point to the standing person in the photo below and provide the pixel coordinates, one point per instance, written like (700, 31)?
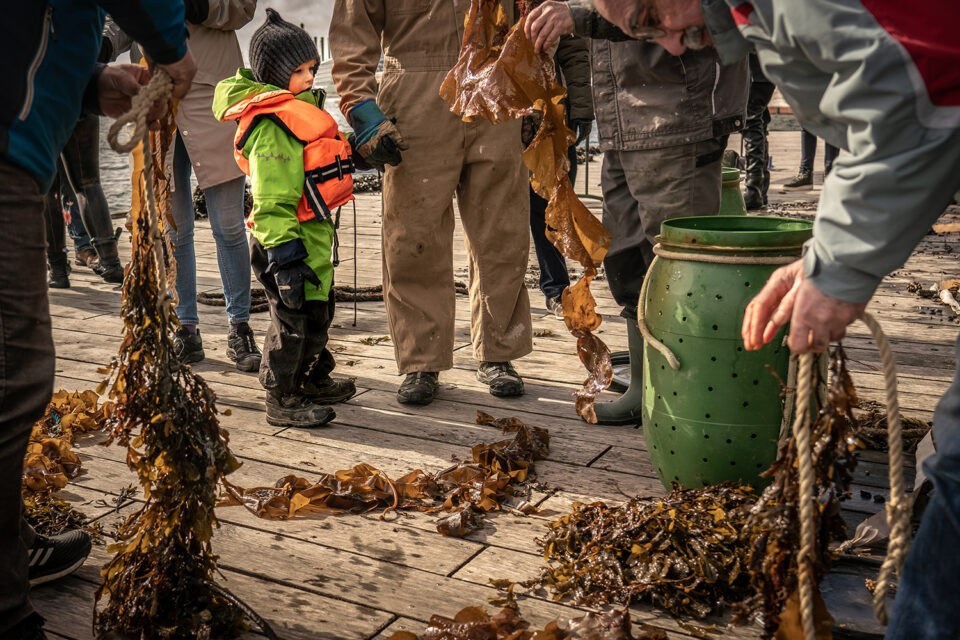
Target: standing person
(885, 85)
(663, 123)
(755, 146)
(479, 162)
(203, 146)
(301, 170)
(46, 79)
(808, 152)
(572, 60)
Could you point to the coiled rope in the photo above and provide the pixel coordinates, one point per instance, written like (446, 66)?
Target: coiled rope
(898, 510)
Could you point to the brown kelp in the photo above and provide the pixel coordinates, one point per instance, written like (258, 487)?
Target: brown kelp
(474, 623)
(489, 481)
(159, 583)
(498, 77)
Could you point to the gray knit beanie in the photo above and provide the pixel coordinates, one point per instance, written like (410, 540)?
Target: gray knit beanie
(277, 49)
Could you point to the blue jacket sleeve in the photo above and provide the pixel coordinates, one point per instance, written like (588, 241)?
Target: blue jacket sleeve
(158, 25)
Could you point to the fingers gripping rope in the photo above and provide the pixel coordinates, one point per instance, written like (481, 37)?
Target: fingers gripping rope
(158, 90)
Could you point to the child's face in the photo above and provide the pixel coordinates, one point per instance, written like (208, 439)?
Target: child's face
(302, 77)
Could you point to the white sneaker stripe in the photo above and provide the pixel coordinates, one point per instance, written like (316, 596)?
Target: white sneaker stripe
(46, 556)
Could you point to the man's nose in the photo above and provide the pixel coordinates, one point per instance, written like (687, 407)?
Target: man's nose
(673, 42)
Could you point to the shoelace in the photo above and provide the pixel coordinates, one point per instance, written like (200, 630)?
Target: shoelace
(248, 341)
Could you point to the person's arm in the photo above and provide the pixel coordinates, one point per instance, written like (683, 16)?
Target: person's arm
(276, 181)
(355, 45)
(552, 19)
(573, 57)
(158, 25)
(115, 41)
(588, 23)
(224, 15)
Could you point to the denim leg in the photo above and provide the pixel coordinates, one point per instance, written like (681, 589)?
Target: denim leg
(830, 154)
(808, 150)
(225, 206)
(931, 575)
(182, 237)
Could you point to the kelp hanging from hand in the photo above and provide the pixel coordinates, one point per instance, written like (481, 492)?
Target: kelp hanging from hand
(474, 623)
(499, 77)
(159, 583)
(466, 490)
(774, 524)
(683, 553)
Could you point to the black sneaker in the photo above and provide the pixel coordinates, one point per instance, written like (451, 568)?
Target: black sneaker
(296, 411)
(57, 556)
(503, 379)
(330, 390)
(30, 628)
(188, 346)
(111, 271)
(420, 387)
(802, 182)
(242, 348)
(555, 306)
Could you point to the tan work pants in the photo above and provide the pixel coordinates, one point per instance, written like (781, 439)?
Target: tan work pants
(480, 163)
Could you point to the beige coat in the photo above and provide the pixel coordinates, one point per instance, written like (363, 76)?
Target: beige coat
(214, 44)
(479, 163)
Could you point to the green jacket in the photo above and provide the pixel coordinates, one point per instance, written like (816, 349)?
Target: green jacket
(277, 177)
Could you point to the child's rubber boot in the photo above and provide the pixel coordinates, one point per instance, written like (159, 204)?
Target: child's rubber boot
(628, 409)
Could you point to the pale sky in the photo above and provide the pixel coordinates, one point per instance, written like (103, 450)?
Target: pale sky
(314, 14)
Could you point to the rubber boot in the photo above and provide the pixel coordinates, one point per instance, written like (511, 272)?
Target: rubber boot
(628, 409)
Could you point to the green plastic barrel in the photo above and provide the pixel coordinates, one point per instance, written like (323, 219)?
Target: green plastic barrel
(718, 416)
(731, 199)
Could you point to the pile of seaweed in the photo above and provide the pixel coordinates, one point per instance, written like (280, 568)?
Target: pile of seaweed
(498, 77)
(50, 462)
(489, 481)
(473, 623)
(871, 428)
(698, 551)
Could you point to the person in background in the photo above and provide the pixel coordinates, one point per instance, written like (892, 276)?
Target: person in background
(755, 146)
(49, 72)
(478, 162)
(204, 147)
(663, 123)
(808, 152)
(301, 171)
(572, 60)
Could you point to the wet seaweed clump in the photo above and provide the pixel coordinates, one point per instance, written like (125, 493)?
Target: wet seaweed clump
(474, 623)
(773, 528)
(159, 585)
(683, 553)
(872, 428)
(490, 481)
(50, 516)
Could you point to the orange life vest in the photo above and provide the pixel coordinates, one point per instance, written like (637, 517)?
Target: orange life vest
(328, 169)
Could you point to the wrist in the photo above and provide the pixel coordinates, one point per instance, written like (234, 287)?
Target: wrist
(365, 118)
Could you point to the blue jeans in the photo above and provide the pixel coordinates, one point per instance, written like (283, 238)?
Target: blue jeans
(929, 588)
(225, 207)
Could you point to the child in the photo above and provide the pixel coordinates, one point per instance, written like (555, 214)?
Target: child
(300, 169)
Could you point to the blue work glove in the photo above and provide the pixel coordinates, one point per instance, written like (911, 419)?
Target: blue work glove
(290, 279)
(376, 138)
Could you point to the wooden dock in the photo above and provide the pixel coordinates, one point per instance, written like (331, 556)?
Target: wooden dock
(357, 577)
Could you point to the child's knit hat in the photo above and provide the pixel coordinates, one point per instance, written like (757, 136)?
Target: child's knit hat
(277, 49)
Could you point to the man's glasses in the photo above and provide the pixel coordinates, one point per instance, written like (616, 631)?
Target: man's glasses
(693, 36)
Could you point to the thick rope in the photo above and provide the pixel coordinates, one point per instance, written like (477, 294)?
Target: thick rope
(642, 322)
(801, 435)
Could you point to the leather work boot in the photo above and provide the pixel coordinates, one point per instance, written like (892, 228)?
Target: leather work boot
(628, 408)
(420, 387)
(59, 272)
(329, 390)
(503, 379)
(296, 411)
(242, 348)
(188, 346)
(110, 270)
(803, 181)
(85, 258)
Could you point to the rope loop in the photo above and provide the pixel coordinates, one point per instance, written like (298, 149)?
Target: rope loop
(158, 89)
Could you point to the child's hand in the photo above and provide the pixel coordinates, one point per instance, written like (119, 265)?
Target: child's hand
(290, 279)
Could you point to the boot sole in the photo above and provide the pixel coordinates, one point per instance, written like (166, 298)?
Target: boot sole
(620, 422)
(806, 187)
(246, 365)
(301, 424)
(420, 402)
(192, 358)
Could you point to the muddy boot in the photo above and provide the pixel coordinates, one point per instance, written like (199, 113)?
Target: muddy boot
(59, 272)
(628, 409)
(242, 347)
(109, 267)
(296, 411)
(329, 390)
(188, 346)
(503, 379)
(420, 387)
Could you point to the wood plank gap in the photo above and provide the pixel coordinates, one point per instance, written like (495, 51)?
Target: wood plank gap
(600, 455)
(469, 559)
(384, 627)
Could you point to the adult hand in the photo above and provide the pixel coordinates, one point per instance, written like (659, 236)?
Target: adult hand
(546, 23)
(181, 72)
(815, 318)
(116, 86)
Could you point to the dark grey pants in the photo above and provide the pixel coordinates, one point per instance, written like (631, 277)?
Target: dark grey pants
(641, 189)
(26, 371)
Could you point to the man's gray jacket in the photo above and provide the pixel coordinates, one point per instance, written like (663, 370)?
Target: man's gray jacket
(881, 79)
(646, 98)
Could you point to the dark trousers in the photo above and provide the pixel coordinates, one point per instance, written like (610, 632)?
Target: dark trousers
(295, 347)
(808, 150)
(26, 371)
(755, 147)
(553, 269)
